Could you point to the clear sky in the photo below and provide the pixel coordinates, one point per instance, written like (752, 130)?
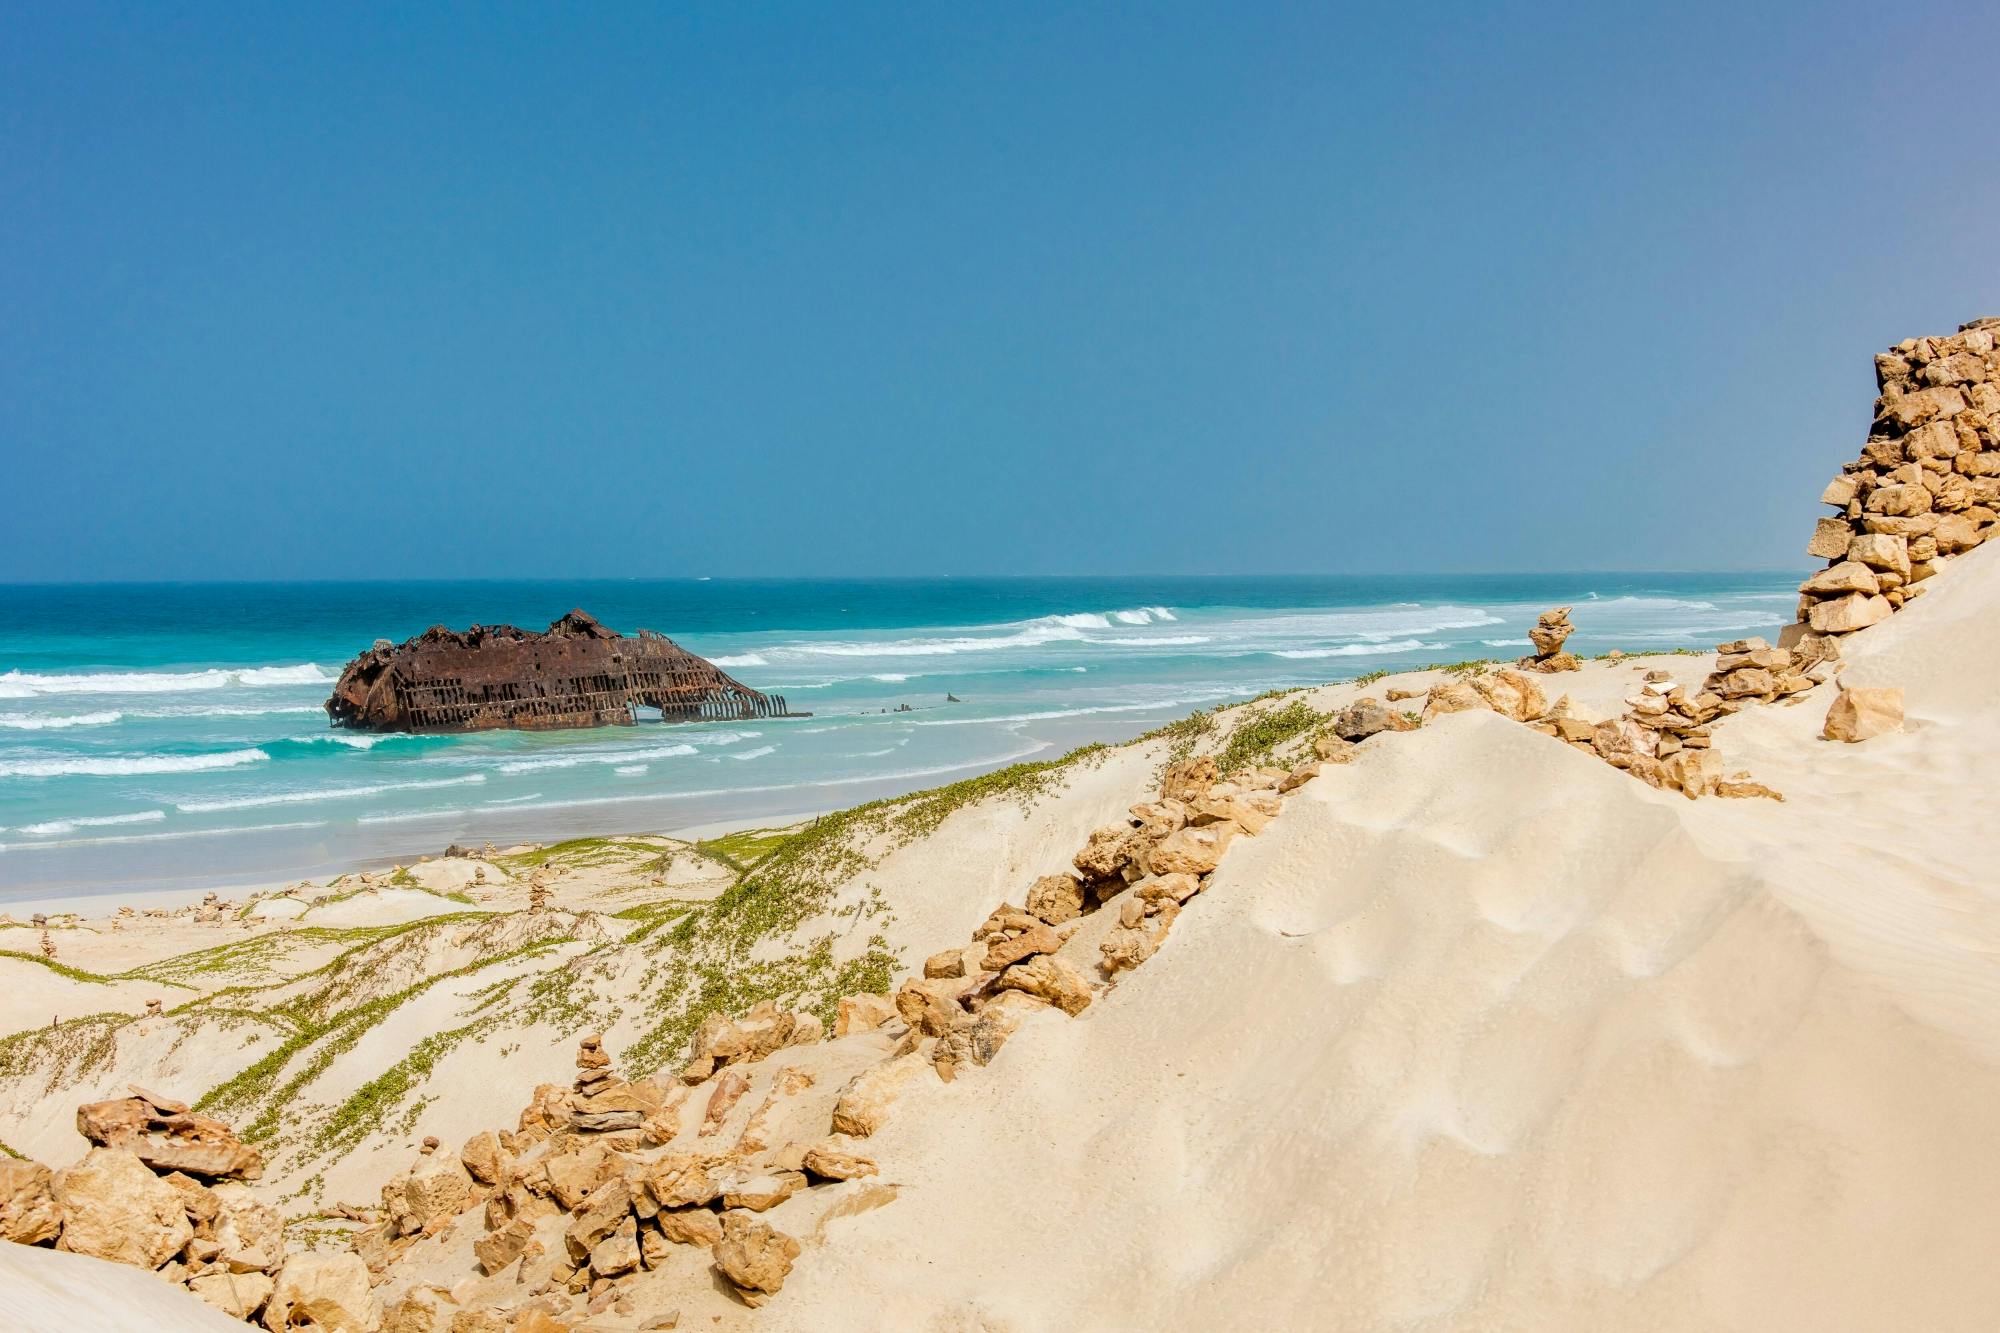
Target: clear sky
(336, 291)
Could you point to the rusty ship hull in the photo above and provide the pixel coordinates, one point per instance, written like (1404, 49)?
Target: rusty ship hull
(575, 674)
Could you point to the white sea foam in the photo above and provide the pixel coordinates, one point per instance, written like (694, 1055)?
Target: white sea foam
(581, 758)
(757, 753)
(55, 826)
(1180, 701)
(1155, 640)
(24, 685)
(1508, 643)
(128, 765)
(891, 677)
(1029, 636)
(1079, 620)
(740, 660)
(631, 770)
(322, 794)
(1359, 649)
(55, 722)
(158, 837)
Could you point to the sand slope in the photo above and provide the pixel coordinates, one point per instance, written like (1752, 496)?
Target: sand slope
(1482, 1034)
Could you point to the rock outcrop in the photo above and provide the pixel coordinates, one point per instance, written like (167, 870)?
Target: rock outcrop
(1925, 489)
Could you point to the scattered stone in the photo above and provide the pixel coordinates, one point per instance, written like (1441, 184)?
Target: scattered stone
(28, 1211)
(321, 1291)
(753, 1257)
(1861, 713)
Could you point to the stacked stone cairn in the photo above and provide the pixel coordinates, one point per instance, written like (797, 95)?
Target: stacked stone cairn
(1548, 634)
(163, 1188)
(1926, 487)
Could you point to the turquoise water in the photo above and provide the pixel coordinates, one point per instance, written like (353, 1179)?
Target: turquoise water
(165, 735)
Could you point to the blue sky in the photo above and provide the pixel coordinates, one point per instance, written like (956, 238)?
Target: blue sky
(356, 291)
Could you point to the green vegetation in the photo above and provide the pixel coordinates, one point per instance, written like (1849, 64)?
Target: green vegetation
(1183, 734)
(1261, 733)
(64, 969)
(582, 852)
(1472, 666)
(744, 848)
(6, 1149)
(1370, 677)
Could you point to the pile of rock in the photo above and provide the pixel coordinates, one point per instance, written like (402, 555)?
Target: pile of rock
(578, 1206)
(1925, 488)
(163, 1188)
(1548, 634)
(1665, 739)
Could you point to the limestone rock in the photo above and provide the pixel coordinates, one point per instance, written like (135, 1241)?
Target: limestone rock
(1845, 577)
(1190, 779)
(322, 1291)
(1055, 899)
(862, 1013)
(249, 1233)
(114, 1208)
(169, 1140)
(1365, 717)
(1841, 615)
(1861, 713)
(864, 1103)
(930, 1006)
(754, 1257)
(1511, 694)
(1452, 696)
(238, 1295)
(1050, 978)
(830, 1159)
(1192, 851)
(1004, 953)
(1830, 539)
(484, 1159)
(690, 1226)
(28, 1212)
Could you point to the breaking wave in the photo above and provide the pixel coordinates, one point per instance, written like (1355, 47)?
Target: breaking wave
(24, 685)
(321, 794)
(129, 765)
(1359, 649)
(55, 826)
(740, 660)
(49, 722)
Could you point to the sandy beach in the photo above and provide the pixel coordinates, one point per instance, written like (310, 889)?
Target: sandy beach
(1532, 1039)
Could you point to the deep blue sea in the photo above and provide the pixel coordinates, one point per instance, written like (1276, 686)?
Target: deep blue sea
(159, 736)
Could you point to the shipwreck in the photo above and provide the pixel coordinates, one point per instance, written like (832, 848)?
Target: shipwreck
(577, 673)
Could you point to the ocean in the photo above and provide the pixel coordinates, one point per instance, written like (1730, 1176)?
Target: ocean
(165, 736)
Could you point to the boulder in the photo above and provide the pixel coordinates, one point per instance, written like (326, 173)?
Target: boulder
(323, 1291)
(1830, 539)
(1056, 898)
(169, 1140)
(1511, 694)
(28, 1211)
(249, 1233)
(435, 1190)
(1452, 696)
(1189, 779)
(1855, 611)
(1861, 713)
(1192, 851)
(931, 1006)
(862, 1013)
(1003, 952)
(1880, 550)
(831, 1159)
(114, 1208)
(238, 1295)
(864, 1103)
(753, 1257)
(690, 1226)
(484, 1159)
(1049, 978)
(1365, 717)
(1845, 577)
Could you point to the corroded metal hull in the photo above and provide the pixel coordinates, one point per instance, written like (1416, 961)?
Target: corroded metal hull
(495, 677)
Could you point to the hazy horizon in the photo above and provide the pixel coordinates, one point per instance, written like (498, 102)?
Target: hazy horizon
(325, 295)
